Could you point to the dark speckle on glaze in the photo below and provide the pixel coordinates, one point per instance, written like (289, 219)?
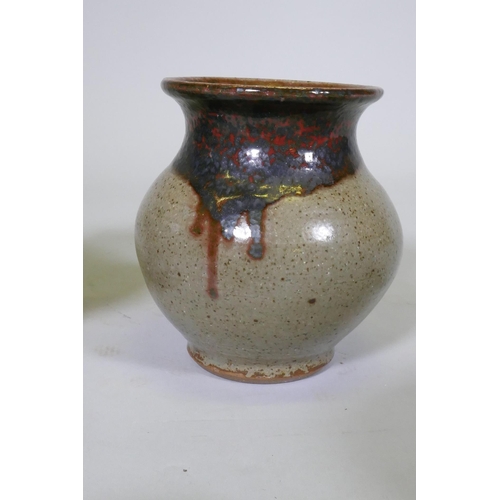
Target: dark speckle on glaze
(241, 155)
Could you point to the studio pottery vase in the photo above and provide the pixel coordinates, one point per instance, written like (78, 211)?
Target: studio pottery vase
(267, 240)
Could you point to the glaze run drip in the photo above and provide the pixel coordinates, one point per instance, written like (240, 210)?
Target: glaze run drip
(203, 220)
(239, 157)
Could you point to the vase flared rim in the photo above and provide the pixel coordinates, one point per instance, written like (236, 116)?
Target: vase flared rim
(267, 89)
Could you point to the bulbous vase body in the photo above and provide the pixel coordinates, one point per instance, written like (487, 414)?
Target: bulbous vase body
(267, 240)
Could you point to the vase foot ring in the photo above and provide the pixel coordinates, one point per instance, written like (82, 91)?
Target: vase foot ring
(259, 374)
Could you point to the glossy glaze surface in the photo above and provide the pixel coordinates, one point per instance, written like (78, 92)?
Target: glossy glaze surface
(267, 240)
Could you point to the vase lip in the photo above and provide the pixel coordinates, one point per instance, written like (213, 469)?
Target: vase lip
(267, 89)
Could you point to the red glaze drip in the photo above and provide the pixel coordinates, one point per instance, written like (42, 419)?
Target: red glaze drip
(201, 214)
(203, 218)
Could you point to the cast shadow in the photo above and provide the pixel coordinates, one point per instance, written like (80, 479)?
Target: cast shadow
(110, 269)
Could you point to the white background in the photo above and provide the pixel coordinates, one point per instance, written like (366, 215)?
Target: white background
(155, 424)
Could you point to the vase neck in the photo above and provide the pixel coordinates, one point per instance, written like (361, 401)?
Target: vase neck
(240, 137)
(295, 124)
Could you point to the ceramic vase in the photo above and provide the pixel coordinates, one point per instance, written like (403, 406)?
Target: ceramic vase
(267, 240)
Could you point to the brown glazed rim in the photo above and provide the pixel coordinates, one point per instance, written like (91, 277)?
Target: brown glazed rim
(257, 88)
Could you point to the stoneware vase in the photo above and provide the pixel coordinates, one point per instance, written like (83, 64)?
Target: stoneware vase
(267, 240)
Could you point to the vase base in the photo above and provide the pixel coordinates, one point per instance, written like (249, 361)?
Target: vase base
(258, 373)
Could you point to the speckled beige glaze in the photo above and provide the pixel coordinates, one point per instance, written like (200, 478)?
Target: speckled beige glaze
(329, 258)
